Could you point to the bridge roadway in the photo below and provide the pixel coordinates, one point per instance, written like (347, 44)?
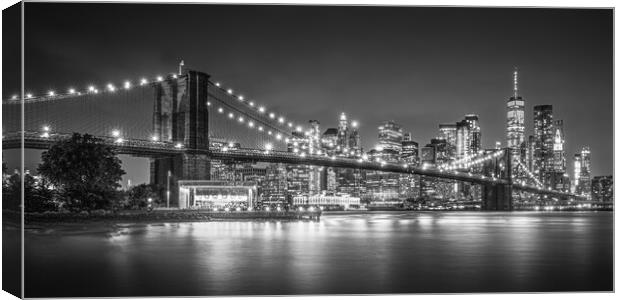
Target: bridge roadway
(147, 148)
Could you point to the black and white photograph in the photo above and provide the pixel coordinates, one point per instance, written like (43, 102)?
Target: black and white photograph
(167, 149)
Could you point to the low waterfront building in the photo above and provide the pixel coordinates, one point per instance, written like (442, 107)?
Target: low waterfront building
(213, 194)
(324, 200)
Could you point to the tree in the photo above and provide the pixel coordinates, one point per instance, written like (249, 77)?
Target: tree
(85, 171)
(138, 195)
(11, 192)
(37, 194)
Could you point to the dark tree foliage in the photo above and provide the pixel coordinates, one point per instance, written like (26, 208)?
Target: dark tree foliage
(11, 192)
(85, 171)
(38, 196)
(137, 196)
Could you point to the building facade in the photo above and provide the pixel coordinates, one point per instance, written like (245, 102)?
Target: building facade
(390, 136)
(543, 148)
(468, 136)
(585, 173)
(448, 133)
(603, 189)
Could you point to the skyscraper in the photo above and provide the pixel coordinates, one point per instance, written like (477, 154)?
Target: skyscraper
(314, 146)
(354, 138)
(515, 125)
(585, 173)
(468, 136)
(557, 177)
(343, 133)
(448, 133)
(390, 136)
(529, 155)
(543, 138)
(559, 154)
(441, 152)
(576, 171)
(409, 153)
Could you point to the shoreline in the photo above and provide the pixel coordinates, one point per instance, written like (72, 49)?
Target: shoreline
(154, 216)
(36, 220)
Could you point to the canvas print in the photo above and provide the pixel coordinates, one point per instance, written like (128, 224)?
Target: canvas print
(156, 149)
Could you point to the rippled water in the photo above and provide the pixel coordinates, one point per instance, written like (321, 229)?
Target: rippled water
(380, 252)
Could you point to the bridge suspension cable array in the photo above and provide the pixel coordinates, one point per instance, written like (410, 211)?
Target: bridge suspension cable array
(529, 174)
(470, 161)
(261, 109)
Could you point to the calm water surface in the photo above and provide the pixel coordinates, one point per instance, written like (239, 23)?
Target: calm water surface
(380, 252)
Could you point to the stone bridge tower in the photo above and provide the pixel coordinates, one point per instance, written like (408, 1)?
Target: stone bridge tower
(181, 116)
(498, 196)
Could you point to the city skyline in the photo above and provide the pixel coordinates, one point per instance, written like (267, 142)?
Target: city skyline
(484, 81)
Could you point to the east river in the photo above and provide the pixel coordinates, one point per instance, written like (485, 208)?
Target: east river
(344, 253)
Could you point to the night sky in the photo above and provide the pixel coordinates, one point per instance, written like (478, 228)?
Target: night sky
(417, 66)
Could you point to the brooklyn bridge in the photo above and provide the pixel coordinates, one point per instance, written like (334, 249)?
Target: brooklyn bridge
(185, 120)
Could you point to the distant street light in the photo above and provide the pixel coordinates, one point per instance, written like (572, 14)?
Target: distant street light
(168, 190)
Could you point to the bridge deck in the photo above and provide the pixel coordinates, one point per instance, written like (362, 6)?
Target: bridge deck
(35, 140)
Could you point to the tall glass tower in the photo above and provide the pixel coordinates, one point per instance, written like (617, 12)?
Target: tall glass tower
(515, 125)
